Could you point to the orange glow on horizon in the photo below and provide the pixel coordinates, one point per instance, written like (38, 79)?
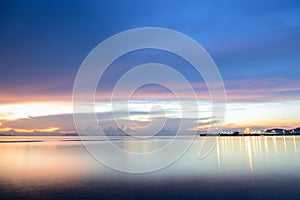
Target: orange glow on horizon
(256, 116)
(49, 129)
(200, 128)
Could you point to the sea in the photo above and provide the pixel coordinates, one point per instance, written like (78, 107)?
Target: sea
(61, 167)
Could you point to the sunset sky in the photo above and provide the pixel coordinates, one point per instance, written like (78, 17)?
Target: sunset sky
(254, 44)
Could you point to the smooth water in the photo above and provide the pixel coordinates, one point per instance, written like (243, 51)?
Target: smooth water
(238, 167)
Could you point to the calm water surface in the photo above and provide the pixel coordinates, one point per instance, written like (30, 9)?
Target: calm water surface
(237, 168)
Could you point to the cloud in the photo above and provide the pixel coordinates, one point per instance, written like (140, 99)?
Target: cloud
(262, 90)
(65, 123)
(55, 91)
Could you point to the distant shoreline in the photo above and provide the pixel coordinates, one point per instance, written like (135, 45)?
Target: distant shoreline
(201, 135)
(244, 135)
(121, 133)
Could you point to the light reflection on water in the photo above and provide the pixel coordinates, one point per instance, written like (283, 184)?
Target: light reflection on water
(258, 154)
(39, 161)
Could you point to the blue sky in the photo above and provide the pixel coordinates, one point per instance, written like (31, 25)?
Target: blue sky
(44, 42)
(246, 39)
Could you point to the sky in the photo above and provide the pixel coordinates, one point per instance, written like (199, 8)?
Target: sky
(255, 45)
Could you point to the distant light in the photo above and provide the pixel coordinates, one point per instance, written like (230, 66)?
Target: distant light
(247, 131)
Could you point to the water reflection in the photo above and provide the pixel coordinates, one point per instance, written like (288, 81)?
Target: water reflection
(294, 141)
(59, 159)
(249, 152)
(257, 154)
(40, 161)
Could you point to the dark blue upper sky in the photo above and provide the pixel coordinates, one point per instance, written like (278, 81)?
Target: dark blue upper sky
(46, 41)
